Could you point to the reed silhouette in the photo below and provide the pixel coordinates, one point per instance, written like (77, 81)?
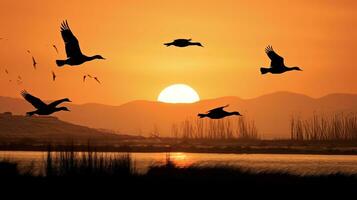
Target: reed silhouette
(218, 113)
(104, 173)
(183, 43)
(277, 65)
(224, 129)
(320, 127)
(43, 108)
(73, 51)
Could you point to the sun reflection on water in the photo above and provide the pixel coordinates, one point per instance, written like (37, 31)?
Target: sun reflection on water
(180, 159)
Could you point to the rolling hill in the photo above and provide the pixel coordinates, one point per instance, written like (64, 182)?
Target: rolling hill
(21, 129)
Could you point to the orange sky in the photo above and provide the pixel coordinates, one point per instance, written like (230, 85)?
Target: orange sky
(318, 36)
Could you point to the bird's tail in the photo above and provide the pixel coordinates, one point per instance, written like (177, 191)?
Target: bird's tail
(60, 63)
(264, 70)
(168, 44)
(30, 113)
(202, 115)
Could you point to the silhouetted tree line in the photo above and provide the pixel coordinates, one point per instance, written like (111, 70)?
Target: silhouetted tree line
(320, 127)
(223, 129)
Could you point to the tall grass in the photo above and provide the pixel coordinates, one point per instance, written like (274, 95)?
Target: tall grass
(88, 164)
(322, 127)
(224, 129)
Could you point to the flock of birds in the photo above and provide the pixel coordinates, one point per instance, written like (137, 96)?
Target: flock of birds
(75, 57)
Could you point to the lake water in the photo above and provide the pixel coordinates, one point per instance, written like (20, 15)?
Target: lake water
(295, 164)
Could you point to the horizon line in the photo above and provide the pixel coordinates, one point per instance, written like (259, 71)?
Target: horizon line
(208, 99)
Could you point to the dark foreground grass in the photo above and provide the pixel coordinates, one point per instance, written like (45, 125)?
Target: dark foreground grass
(91, 171)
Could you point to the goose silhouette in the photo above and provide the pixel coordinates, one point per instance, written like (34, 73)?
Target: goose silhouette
(73, 51)
(183, 43)
(218, 113)
(43, 108)
(277, 65)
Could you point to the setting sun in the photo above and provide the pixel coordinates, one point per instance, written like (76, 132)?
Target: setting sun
(178, 93)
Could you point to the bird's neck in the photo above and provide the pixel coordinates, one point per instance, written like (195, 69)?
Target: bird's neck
(291, 68)
(91, 58)
(58, 108)
(230, 113)
(195, 43)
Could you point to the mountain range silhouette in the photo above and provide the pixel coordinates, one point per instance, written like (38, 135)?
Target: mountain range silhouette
(271, 112)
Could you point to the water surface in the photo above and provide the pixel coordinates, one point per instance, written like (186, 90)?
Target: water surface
(292, 163)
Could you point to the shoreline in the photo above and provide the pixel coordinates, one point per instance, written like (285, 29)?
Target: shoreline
(229, 150)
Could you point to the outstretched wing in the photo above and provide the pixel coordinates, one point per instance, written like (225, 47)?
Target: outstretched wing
(95, 78)
(36, 102)
(56, 103)
(218, 109)
(276, 60)
(34, 63)
(53, 76)
(70, 41)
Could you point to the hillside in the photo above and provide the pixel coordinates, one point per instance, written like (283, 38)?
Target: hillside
(21, 129)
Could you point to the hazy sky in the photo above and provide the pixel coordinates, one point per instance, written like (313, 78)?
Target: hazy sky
(318, 36)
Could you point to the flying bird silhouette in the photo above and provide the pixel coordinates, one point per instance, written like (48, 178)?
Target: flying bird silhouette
(34, 63)
(73, 51)
(218, 113)
(183, 43)
(53, 76)
(54, 46)
(84, 78)
(43, 108)
(7, 72)
(277, 65)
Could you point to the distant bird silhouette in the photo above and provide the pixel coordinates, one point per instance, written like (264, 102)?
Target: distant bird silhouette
(183, 43)
(277, 65)
(54, 46)
(34, 63)
(73, 51)
(28, 51)
(43, 108)
(90, 76)
(218, 113)
(53, 76)
(7, 72)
